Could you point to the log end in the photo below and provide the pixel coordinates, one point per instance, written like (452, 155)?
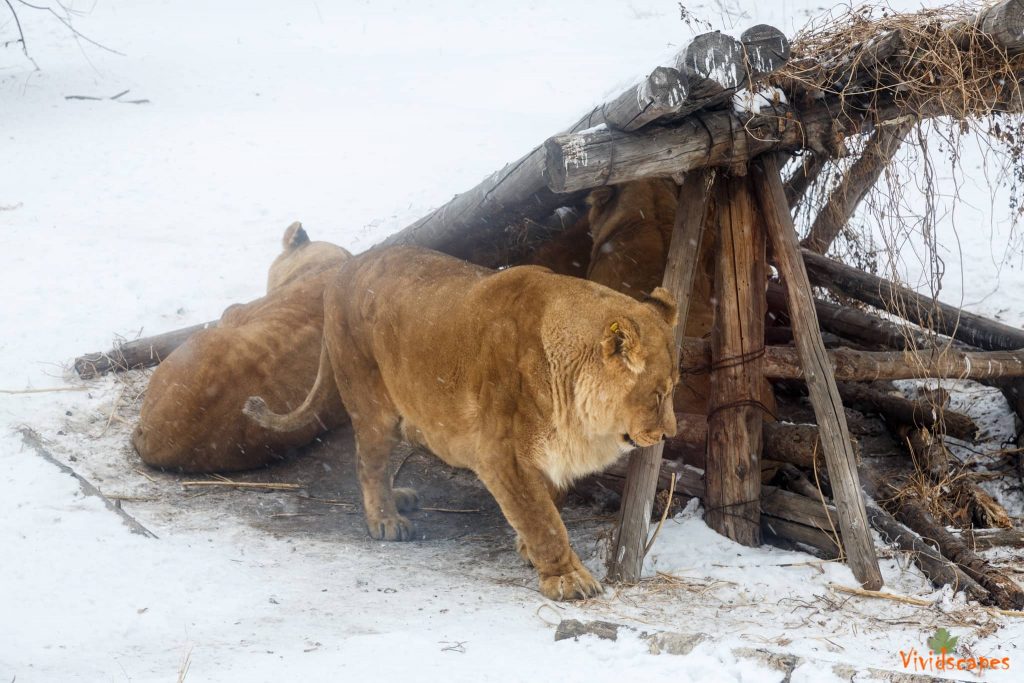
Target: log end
(716, 57)
(766, 49)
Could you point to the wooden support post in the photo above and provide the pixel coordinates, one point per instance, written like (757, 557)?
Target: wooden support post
(733, 472)
(828, 407)
(627, 556)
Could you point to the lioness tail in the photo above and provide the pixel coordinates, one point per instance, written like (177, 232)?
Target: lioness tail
(258, 410)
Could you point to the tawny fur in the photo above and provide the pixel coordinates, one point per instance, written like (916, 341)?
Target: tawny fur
(631, 228)
(271, 346)
(527, 378)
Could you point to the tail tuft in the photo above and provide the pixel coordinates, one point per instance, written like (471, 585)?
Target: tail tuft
(294, 236)
(257, 409)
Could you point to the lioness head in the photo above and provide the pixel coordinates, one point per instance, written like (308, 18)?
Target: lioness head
(632, 392)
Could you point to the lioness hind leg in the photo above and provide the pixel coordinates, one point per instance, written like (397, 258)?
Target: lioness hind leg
(381, 503)
(406, 500)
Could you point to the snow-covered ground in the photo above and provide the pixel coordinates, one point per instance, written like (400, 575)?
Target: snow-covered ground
(356, 118)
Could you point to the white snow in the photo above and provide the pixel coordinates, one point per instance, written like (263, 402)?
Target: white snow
(356, 118)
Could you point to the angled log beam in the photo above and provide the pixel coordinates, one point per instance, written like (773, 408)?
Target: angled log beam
(842, 203)
(921, 310)
(627, 557)
(828, 407)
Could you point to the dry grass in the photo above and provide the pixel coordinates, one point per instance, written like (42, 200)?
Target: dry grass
(942, 61)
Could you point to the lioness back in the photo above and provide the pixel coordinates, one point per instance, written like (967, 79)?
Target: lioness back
(189, 419)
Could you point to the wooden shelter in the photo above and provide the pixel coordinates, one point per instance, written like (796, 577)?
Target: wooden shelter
(723, 120)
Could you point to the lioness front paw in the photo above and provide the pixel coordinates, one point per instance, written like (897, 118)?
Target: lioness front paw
(577, 584)
(406, 500)
(395, 528)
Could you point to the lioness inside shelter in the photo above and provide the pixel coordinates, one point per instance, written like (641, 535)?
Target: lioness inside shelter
(527, 378)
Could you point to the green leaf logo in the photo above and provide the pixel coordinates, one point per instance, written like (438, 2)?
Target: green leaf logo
(943, 642)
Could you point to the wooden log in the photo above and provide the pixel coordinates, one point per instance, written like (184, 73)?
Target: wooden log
(939, 570)
(802, 534)
(765, 49)
(785, 442)
(942, 318)
(902, 411)
(1004, 591)
(782, 362)
(842, 203)
(733, 473)
(717, 57)
(1004, 24)
(986, 539)
(471, 222)
(657, 96)
(824, 395)
(141, 353)
(626, 560)
(853, 324)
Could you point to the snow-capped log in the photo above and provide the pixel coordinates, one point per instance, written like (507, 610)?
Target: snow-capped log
(765, 49)
(657, 96)
(919, 309)
(578, 161)
(141, 353)
(470, 224)
(939, 570)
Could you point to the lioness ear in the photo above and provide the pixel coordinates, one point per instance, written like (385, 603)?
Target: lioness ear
(621, 342)
(664, 303)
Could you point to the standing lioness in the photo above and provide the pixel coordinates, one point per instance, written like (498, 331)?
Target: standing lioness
(528, 378)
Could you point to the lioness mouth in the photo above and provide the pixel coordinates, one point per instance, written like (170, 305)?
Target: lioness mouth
(628, 439)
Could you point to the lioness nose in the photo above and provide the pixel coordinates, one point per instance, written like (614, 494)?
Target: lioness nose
(669, 423)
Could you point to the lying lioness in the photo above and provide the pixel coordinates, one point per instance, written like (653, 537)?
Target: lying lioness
(189, 419)
(528, 378)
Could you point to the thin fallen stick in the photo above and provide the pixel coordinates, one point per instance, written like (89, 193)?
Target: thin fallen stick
(146, 475)
(35, 442)
(266, 486)
(1005, 612)
(296, 514)
(664, 513)
(41, 391)
(861, 592)
(330, 501)
(129, 499)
